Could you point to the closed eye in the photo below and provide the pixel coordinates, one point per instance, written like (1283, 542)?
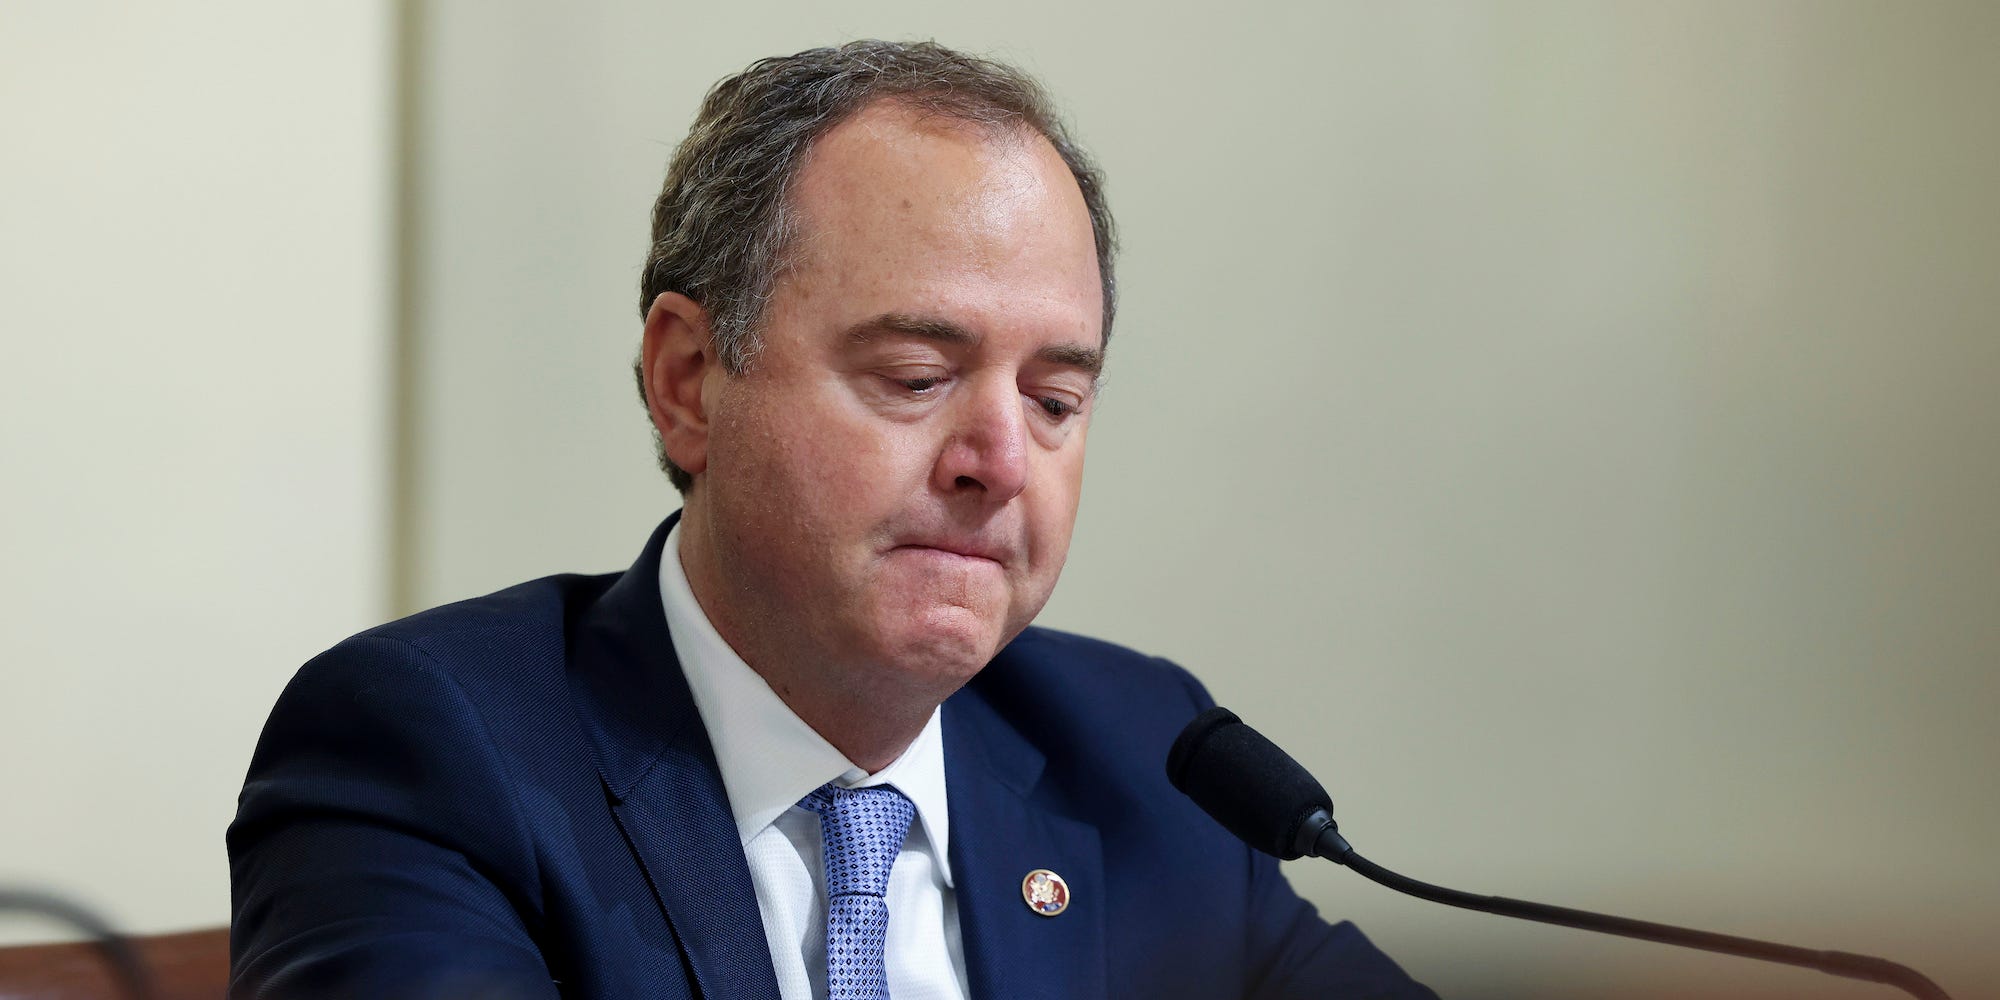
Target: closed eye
(1056, 407)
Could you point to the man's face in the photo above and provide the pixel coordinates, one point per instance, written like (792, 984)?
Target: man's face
(890, 487)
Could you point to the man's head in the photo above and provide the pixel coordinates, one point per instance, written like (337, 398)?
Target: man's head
(882, 490)
(722, 227)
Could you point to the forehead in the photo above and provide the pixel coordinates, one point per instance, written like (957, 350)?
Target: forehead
(895, 196)
(878, 153)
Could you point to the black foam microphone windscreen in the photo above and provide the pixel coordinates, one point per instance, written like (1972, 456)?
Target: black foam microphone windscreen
(1250, 786)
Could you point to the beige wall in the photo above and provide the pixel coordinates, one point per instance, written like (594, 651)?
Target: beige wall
(1567, 427)
(193, 303)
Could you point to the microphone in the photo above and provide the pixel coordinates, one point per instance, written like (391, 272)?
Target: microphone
(1260, 794)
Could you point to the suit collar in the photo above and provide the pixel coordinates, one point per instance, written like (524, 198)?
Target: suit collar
(626, 683)
(659, 772)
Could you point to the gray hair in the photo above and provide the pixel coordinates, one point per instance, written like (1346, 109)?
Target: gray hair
(722, 226)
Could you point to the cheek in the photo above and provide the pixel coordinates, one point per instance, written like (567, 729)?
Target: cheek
(1055, 511)
(808, 458)
(854, 447)
(760, 478)
(766, 431)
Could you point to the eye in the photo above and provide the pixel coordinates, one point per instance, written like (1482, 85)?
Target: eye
(1056, 407)
(921, 385)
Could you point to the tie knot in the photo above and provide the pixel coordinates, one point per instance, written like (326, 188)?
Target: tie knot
(863, 829)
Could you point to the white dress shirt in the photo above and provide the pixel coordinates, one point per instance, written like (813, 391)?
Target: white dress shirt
(770, 759)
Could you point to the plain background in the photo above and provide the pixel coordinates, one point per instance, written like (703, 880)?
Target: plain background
(1567, 427)
(196, 289)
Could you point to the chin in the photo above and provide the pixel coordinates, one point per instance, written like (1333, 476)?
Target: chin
(941, 648)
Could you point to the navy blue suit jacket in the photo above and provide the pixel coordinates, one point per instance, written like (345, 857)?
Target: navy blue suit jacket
(514, 797)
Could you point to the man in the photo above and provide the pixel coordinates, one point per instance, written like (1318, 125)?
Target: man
(807, 746)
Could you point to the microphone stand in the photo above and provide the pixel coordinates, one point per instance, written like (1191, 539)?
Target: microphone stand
(1329, 844)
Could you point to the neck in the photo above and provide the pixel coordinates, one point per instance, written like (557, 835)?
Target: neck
(871, 733)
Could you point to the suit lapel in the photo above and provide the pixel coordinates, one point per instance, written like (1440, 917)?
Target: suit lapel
(1000, 833)
(665, 788)
(697, 871)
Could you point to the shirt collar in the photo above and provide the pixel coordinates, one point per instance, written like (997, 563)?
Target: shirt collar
(768, 756)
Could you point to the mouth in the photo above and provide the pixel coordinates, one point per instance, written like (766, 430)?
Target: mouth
(957, 549)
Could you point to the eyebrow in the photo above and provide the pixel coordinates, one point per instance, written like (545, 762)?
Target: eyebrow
(1089, 360)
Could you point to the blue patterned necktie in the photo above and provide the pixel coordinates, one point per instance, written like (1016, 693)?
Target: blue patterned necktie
(862, 829)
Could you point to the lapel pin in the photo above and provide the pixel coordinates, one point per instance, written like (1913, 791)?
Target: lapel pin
(1045, 892)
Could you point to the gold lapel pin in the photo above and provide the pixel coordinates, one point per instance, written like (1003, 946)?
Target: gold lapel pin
(1045, 892)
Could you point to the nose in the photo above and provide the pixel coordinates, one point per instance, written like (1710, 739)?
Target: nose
(987, 449)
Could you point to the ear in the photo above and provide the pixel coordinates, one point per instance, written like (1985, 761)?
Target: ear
(676, 359)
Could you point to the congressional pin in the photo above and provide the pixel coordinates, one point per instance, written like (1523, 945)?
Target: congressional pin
(1045, 892)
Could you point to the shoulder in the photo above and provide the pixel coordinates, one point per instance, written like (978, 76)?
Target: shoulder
(523, 612)
(480, 644)
(487, 676)
(1100, 718)
(451, 705)
(470, 651)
